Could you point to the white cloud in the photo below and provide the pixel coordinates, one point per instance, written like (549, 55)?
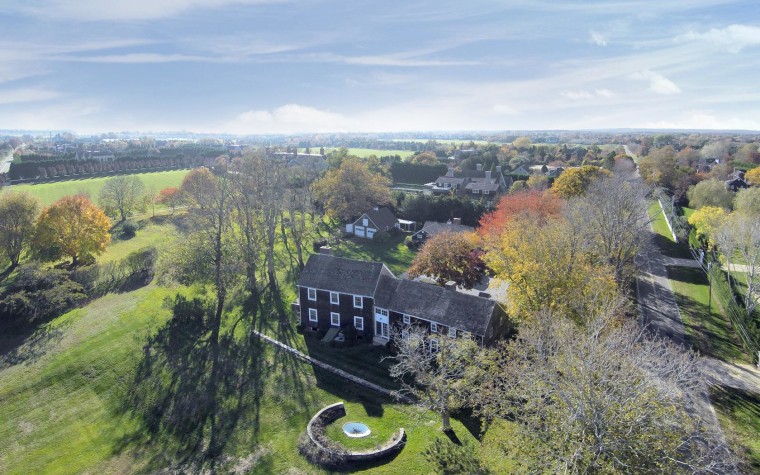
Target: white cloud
(290, 118)
(658, 83)
(706, 120)
(583, 94)
(598, 38)
(16, 96)
(734, 37)
(99, 10)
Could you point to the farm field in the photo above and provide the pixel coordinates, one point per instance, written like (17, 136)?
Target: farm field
(52, 191)
(366, 152)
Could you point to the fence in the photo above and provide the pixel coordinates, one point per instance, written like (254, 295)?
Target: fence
(711, 266)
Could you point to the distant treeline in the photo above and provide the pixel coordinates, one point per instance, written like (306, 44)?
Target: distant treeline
(52, 169)
(405, 172)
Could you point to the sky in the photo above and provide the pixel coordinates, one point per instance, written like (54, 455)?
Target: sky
(289, 66)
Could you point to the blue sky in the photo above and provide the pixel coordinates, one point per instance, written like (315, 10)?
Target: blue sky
(259, 66)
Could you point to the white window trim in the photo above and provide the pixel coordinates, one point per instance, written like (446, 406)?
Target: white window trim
(332, 319)
(485, 192)
(313, 317)
(407, 319)
(433, 327)
(308, 294)
(452, 332)
(361, 301)
(381, 311)
(433, 346)
(360, 322)
(475, 192)
(337, 298)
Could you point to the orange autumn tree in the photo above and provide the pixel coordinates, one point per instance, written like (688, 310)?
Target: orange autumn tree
(72, 226)
(537, 205)
(171, 197)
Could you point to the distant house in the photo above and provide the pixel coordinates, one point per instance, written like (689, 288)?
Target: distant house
(520, 173)
(736, 181)
(432, 228)
(477, 183)
(335, 292)
(379, 219)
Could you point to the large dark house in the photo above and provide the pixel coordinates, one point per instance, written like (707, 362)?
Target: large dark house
(335, 292)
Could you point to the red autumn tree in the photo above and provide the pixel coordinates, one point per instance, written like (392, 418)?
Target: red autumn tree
(536, 205)
(171, 197)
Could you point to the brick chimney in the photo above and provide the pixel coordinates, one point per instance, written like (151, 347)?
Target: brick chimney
(456, 221)
(450, 285)
(327, 250)
(488, 174)
(498, 168)
(479, 167)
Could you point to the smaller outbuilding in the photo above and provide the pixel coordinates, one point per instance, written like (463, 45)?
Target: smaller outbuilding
(369, 223)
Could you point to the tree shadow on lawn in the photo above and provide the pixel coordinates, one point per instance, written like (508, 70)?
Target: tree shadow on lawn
(670, 248)
(28, 343)
(744, 408)
(191, 389)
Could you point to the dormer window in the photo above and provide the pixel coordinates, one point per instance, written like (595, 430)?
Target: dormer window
(312, 294)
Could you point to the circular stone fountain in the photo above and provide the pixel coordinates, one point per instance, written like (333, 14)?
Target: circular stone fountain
(356, 429)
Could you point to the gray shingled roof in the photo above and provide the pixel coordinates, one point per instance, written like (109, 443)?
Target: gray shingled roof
(338, 274)
(482, 185)
(431, 302)
(382, 217)
(450, 179)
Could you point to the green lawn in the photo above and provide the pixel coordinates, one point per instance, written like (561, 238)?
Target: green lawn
(158, 232)
(393, 253)
(663, 237)
(708, 331)
(52, 191)
(739, 415)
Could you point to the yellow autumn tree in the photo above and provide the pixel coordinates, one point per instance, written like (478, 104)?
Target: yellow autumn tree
(706, 221)
(547, 268)
(575, 181)
(72, 226)
(753, 176)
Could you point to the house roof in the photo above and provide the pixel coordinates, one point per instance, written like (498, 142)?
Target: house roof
(382, 217)
(520, 171)
(338, 274)
(431, 302)
(449, 179)
(483, 185)
(431, 228)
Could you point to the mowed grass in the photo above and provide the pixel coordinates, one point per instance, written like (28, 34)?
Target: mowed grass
(69, 409)
(159, 232)
(52, 191)
(393, 253)
(663, 237)
(708, 330)
(739, 415)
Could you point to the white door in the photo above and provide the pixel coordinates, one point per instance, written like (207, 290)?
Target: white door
(359, 231)
(381, 326)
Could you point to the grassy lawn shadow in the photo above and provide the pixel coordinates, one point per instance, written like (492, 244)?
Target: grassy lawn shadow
(739, 413)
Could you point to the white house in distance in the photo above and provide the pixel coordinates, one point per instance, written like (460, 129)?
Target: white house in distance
(379, 219)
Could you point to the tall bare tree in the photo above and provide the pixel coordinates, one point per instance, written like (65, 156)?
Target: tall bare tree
(433, 368)
(738, 238)
(122, 195)
(600, 397)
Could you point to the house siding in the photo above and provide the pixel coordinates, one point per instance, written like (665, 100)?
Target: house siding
(345, 308)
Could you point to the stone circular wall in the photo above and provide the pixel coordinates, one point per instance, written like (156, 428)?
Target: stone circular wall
(330, 414)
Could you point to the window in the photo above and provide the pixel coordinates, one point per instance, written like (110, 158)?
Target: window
(334, 319)
(381, 311)
(433, 345)
(434, 327)
(358, 302)
(312, 294)
(485, 192)
(313, 315)
(407, 319)
(453, 332)
(365, 222)
(334, 297)
(475, 192)
(359, 323)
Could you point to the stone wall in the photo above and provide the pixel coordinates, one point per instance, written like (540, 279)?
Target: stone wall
(331, 413)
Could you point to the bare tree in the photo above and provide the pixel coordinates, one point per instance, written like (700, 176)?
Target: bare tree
(437, 366)
(613, 220)
(122, 195)
(739, 240)
(600, 397)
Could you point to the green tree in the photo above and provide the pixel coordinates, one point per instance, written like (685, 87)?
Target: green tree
(710, 192)
(351, 189)
(73, 227)
(747, 201)
(122, 195)
(18, 212)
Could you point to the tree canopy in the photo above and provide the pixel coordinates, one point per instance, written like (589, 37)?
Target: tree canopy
(122, 195)
(710, 193)
(18, 212)
(575, 181)
(73, 227)
(351, 189)
(450, 256)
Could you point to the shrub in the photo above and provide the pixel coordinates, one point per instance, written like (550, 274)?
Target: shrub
(129, 229)
(37, 294)
(382, 236)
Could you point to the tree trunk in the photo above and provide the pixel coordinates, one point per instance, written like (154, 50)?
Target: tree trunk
(446, 420)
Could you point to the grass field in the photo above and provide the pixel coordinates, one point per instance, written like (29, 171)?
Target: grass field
(393, 253)
(366, 152)
(739, 415)
(52, 191)
(663, 237)
(708, 330)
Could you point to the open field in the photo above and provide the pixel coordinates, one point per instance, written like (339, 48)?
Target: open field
(366, 152)
(52, 191)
